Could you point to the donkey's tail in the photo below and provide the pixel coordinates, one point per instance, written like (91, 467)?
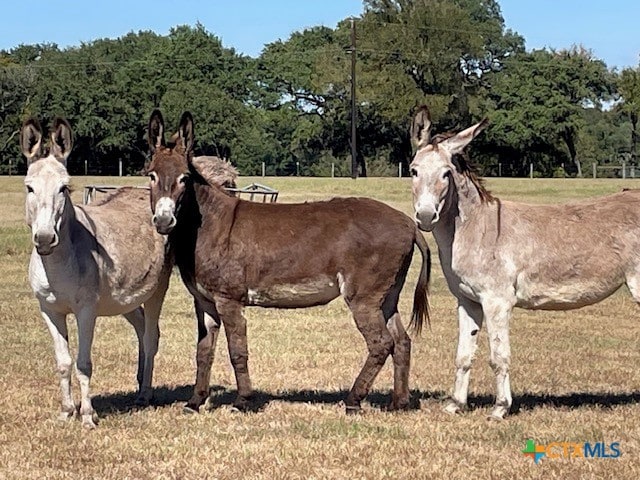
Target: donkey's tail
(421, 295)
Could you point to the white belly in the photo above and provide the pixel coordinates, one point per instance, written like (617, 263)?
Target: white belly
(317, 291)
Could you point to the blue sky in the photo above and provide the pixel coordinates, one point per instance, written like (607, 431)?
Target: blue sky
(609, 27)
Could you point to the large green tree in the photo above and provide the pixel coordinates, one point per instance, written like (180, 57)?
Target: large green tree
(629, 90)
(537, 105)
(107, 88)
(431, 51)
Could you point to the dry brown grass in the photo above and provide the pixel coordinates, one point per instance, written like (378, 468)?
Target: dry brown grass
(575, 377)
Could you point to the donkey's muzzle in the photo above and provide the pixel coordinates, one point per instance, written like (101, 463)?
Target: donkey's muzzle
(164, 218)
(164, 224)
(45, 242)
(426, 221)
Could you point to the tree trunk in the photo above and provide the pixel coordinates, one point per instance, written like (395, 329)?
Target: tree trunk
(363, 165)
(634, 137)
(567, 136)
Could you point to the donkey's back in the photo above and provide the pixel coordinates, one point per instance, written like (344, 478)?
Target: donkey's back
(297, 255)
(554, 256)
(128, 252)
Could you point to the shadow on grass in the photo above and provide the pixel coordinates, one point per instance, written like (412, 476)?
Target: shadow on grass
(528, 401)
(605, 400)
(124, 402)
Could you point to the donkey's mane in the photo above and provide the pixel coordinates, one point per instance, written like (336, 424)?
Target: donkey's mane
(213, 170)
(119, 192)
(464, 166)
(216, 171)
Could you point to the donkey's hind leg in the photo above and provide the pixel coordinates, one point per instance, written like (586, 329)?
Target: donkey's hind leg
(371, 324)
(401, 362)
(235, 328)
(633, 283)
(151, 338)
(136, 319)
(208, 330)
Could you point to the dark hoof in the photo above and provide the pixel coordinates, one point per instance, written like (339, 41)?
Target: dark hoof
(242, 405)
(190, 409)
(141, 403)
(353, 410)
(397, 407)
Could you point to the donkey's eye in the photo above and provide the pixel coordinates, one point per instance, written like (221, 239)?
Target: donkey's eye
(64, 189)
(152, 176)
(414, 172)
(29, 189)
(183, 178)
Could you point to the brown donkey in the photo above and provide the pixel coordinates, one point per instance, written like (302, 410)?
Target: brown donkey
(234, 253)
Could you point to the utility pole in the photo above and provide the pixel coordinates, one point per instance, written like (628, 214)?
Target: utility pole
(354, 149)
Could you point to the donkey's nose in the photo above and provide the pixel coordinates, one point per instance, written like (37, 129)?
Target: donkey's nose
(164, 224)
(45, 242)
(425, 221)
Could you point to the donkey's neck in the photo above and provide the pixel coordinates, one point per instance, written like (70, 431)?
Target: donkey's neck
(469, 198)
(212, 201)
(463, 204)
(66, 251)
(202, 205)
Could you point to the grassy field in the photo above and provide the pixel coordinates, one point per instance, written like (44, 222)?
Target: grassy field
(575, 378)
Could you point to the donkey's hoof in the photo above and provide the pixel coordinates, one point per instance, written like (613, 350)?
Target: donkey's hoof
(190, 409)
(65, 416)
(144, 398)
(90, 421)
(453, 407)
(240, 407)
(396, 406)
(497, 414)
(353, 410)
(243, 404)
(141, 402)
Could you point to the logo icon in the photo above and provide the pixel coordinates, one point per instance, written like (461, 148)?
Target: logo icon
(536, 452)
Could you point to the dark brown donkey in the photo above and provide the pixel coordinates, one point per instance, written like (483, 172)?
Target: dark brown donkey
(234, 253)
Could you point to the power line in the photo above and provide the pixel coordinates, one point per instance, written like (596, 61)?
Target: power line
(300, 55)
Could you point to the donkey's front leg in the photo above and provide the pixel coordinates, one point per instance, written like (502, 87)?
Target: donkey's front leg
(84, 368)
(208, 330)
(235, 328)
(57, 324)
(469, 324)
(497, 314)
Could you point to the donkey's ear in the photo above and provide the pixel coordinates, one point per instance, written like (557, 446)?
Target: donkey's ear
(155, 135)
(31, 139)
(457, 143)
(185, 132)
(421, 128)
(61, 139)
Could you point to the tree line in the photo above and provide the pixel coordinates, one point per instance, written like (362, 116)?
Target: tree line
(289, 108)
